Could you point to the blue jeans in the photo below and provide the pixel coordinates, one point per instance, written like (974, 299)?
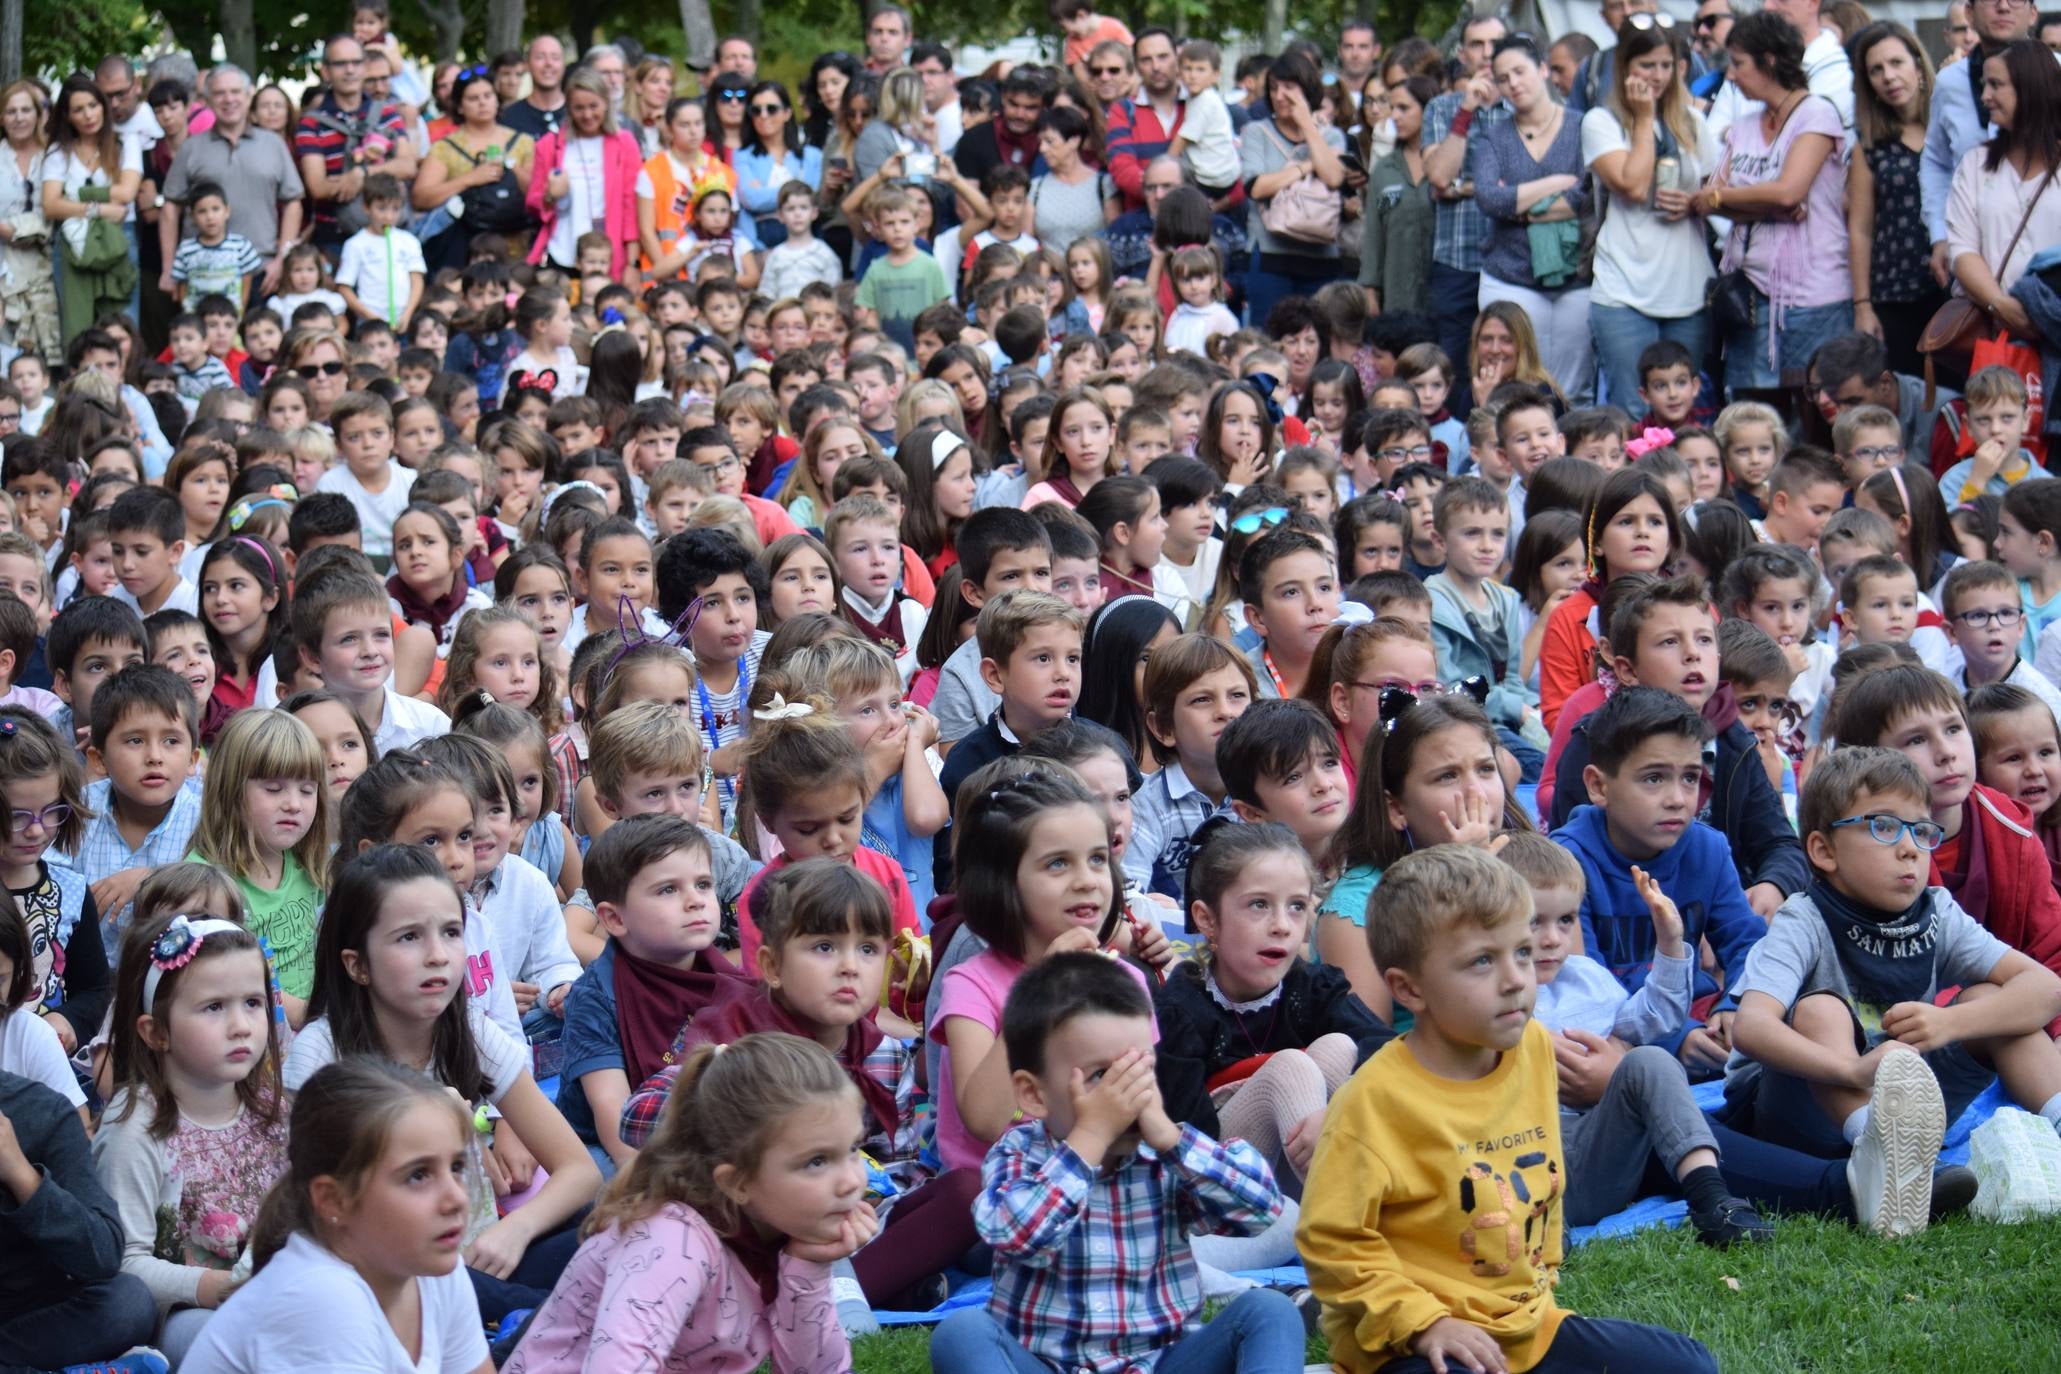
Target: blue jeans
(92, 1321)
(1531, 760)
(1584, 1345)
(1622, 334)
(1259, 1333)
(1453, 297)
(1804, 329)
(1264, 289)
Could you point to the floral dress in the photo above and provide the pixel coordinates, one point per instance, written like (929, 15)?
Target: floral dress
(1899, 268)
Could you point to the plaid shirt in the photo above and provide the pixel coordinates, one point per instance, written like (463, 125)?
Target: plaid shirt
(1459, 229)
(1092, 1268)
(103, 851)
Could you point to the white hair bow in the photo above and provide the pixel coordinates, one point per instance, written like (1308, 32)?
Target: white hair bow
(1353, 613)
(779, 708)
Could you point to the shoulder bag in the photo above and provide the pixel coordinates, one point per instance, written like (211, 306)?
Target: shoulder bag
(1957, 326)
(1306, 210)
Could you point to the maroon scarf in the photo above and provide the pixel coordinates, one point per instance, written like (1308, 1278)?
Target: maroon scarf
(434, 614)
(1063, 485)
(652, 1003)
(759, 1256)
(886, 632)
(742, 1007)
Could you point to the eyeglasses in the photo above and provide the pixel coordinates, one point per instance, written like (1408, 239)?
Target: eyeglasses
(1886, 453)
(1430, 687)
(308, 372)
(49, 818)
(10, 417)
(768, 109)
(1416, 453)
(1884, 828)
(2004, 617)
(722, 465)
(1250, 522)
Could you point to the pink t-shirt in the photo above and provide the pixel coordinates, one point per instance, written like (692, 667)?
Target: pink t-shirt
(1793, 264)
(976, 990)
(1111, 28)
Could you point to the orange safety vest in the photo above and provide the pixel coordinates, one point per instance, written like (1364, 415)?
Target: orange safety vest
(673, 199)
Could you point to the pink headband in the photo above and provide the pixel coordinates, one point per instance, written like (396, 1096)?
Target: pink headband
(247, 540)
(1896, 475)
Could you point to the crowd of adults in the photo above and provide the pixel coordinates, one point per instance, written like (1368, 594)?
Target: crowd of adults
(1750, 185)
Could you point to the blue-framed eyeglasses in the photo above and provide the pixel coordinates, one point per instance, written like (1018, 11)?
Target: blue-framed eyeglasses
(1884, 828)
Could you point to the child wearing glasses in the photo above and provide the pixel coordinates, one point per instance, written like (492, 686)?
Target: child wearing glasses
(1983, 613)
(1840, 1046)
(1988, 857)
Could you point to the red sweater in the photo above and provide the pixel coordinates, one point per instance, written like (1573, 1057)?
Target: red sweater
(2001, 876)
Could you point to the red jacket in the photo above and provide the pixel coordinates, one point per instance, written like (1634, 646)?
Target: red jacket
(2020, 906)
(620, 164)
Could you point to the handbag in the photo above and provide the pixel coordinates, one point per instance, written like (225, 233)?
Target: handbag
(1729, 297)
(1958, 325)
(495, 208)
(1306, 210)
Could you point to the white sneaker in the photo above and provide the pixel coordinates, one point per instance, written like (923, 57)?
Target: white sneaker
(1890, 1170)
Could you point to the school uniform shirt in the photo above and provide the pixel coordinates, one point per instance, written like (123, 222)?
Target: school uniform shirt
(185, 597)
(1434, 1197)
(308, 1310)
(407, 721)
(895, 626)
(528, 924)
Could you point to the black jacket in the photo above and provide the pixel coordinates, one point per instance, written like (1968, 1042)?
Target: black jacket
(67, 1234)
(1199, 1037)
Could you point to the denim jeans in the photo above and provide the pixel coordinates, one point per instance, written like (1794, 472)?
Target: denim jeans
(1264, 289)
(94, 1321)
(1584, 1345)
(1260, 1332)
(1622, 334)
(1451, 294)
(1802, 331)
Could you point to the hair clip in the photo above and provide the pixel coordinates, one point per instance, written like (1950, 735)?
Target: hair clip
(1266, 383)
(513, 297)
(1393, 704)
(7, 727)
(1395, 494)
(546, 380)
(578, 484)
(176, 946)
(1651, 438)
(780, 708)
(634, 637)
(484, 697)
(1474, 688)
(1353, 613)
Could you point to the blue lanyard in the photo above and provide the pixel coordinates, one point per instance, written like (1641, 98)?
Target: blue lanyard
(709, 723)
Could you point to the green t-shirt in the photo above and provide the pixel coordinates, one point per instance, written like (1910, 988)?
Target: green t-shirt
(899, 294)
(285, 918)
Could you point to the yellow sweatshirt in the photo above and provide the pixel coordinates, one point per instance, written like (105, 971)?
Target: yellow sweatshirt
(1431, 1197)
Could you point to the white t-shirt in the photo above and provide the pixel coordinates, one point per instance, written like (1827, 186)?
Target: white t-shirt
(185, 597)
(309, 1311)
(376, 266)
(501, 1058)
(1212, 152)
(72, 177)
(29, 1047)
(580, 208)
(1644, 263)
(377, 511)
(407, 721)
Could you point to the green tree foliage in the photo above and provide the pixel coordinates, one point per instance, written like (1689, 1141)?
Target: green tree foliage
(67, 38)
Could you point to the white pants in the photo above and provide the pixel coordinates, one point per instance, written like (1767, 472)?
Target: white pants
(1561, 320)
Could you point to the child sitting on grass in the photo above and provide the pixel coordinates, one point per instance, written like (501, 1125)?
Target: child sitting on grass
(1841, 1044)
(1433, 1226)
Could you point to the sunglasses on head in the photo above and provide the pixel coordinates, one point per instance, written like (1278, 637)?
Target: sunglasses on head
(310, 371)
(467, 73)
(731, 97)
(1250, 522)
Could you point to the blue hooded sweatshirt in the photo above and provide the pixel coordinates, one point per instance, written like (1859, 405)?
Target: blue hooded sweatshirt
(1697, 873)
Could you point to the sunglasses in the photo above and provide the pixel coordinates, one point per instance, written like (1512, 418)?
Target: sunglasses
(468, 73)
(732, 97)
(1646, 22)
(768, 109)
(1710, 21)
(310, 371)
(1250, 522)
(1105, 71)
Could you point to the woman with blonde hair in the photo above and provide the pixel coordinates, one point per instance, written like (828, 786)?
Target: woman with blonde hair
(322, 359)
(28, 283)
(1502, 348)
(901, 126)
(644, 104)
(584, 177)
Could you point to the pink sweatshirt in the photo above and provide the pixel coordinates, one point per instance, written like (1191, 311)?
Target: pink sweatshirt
(666, 1293)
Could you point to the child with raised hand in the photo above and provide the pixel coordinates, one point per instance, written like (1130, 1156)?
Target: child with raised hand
(808, 782)
(390, 973)
(1989, 858)
(1253, 1038)
(828, 936)
(2018, 753)
(246, 600)
(346, 741)
(541, 836)
(710, 1251)
(267, 822)
(374, 1192)
(1629, 526)
(1090, 1203)
(42, 778)
(654, 896)
(1628, 1120)
(1194, 688)
(196, 1131)
(1416, 1151)
(1849, 978)
(521, 908)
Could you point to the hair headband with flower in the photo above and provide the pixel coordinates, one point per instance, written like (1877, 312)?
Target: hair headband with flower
(177, 946)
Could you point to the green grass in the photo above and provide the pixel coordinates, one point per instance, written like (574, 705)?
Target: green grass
(1964, 1298)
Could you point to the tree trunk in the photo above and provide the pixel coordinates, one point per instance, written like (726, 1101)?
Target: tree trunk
(239, 33)
(504, 25)
(750, 19)
(10, 41)
(700, 28)
(448, 19)
(1276, 19)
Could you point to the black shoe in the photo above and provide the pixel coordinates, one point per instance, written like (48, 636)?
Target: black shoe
(1953, 1188)
(924, 1295)
(1306, 1304)
(1730, 1222)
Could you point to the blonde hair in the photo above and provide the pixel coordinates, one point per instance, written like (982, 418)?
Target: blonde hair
(312, 444)
(801, 479)
(843, 667)
(860, 509)
(1989, 386)
(1739, 413)
(1541, 863)
(918, 393)
(1427, 894)
(721, 512)
(648, 735)
(726, 1107)
(258, 746)
(799, 755)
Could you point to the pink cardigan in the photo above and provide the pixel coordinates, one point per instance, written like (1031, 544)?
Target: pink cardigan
(621, 163)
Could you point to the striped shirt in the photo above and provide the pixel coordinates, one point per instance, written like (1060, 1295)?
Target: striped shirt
(216, 269)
